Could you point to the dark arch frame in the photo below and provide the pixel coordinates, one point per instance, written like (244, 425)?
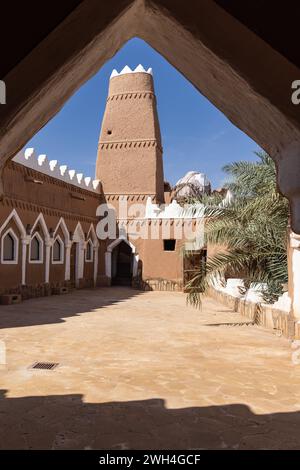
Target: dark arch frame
(242, 75)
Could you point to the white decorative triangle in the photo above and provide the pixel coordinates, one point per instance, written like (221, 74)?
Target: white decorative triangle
(63, 169)
(114, 73)
(41, 163)
(87, 180)
(79, 177)
(95, 183)
(140, 68)
(52, 164)
(28, 152)
(126, 69)
(41, 159)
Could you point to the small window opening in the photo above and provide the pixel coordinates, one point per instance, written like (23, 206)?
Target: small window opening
(9, 248)
(169, 245)
(89, 252)
(57, 251)
(35, 254)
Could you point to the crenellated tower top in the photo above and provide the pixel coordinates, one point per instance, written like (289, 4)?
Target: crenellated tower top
(126, 70)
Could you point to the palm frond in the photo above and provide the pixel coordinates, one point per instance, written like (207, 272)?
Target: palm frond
(253, 228)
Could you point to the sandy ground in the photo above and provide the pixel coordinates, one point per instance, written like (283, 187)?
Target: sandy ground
(143, 370)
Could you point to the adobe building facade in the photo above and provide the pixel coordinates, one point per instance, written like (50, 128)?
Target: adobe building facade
(50, 215)
(48, 238)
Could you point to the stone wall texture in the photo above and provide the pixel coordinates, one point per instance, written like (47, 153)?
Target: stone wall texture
(261, 314)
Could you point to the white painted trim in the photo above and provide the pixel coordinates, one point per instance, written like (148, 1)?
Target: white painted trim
(68, 261)
(79, 238)
(92, 234)
(126, 69)
(61, 223)
(79, 265)
(56, 170)
(119, 240)
(10, 231)
(296, 282)
(47, 261)
(108, 264)
(62, 250)
(41, 250)
(40, 219)
(78, 235)
(25, 243)
(135, 265)
(173, 211)
(14, 215)
(95, 264)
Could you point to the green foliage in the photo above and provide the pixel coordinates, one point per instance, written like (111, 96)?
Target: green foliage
(253, 227)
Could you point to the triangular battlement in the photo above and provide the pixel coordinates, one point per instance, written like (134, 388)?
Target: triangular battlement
(126, 70)
(40, 163)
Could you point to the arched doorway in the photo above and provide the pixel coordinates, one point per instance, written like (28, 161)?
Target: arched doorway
(122, 264)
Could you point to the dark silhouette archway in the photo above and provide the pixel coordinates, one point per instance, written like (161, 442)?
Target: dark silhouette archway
(122, 264)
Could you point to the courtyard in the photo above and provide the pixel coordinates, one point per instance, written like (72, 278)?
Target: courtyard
(142, 370)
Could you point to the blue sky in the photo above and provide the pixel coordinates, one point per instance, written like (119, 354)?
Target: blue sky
(195, 135)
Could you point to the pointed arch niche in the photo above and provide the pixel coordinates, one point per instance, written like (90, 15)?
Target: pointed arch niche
(9, 247)
(13, 247)
(108, 257)
(39, 252)
(58, 251)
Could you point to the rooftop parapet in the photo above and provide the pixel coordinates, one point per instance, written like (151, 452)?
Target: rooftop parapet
(126, 70)
(129, 81)
(52, 168)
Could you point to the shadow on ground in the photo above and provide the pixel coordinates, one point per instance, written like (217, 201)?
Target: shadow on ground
(66, 422)
(58, 307)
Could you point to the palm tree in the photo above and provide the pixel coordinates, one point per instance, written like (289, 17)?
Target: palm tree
(253, 227)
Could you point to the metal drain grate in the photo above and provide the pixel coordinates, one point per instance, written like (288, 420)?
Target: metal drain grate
(44, 365)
